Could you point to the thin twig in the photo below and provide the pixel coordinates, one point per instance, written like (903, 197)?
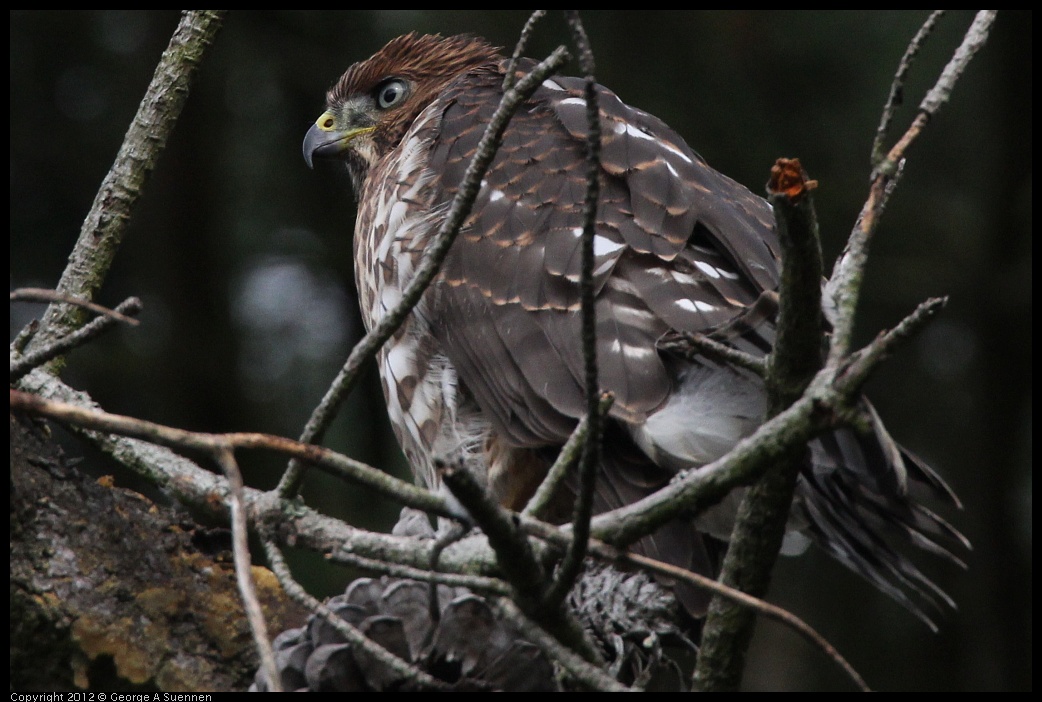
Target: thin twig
(860, 364)
(519, 48)
(850, 267)
(93, 329)
(694, 344)
(572, 562)
(896, 97)
(243, 565)
(578, 668)
(753, 603)
(47, 295)
(610, 554)
(476, 583)
(443, 541)
(356, 638)
(565, 460)
(105, 224)
(429, 265)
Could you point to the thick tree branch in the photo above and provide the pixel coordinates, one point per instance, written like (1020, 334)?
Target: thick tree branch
(796, 357)
(146, 138)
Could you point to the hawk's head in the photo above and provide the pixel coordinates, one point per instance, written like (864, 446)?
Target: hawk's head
(376, 100)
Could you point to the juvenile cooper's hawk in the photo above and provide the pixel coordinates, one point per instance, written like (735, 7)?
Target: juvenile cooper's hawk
(489, 366)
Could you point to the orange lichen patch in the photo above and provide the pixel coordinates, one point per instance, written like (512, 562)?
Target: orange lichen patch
(110, 638)
(788, 178)
(106, 481)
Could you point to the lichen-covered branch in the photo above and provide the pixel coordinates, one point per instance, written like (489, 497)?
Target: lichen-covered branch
(105, 224)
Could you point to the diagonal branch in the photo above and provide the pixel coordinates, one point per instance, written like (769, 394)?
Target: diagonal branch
(93, 329)
(519, 563)
(105, 224)
(844, 288)
(897, 87)
(356, 638)
(572, 563)
(821, 406)
(565, 460)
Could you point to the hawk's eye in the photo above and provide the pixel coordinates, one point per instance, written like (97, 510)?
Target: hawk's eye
(390, 93)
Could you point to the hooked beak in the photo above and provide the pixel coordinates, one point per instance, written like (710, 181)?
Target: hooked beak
(324, 140)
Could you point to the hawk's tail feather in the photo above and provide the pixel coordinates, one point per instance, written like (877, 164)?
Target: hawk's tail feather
(858, 499)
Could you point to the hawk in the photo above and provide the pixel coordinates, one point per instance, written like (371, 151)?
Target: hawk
(488, 368)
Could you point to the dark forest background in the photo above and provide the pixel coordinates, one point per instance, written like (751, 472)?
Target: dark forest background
(243, 259)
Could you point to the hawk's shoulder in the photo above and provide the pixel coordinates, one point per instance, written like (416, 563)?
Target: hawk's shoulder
(677, 247)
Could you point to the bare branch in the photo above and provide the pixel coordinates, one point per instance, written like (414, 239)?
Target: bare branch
(754, 604)
(105, 224)
(611, 554)
(845, 286)
(860, 364)
(795, 359)
(519, 48)
(326, 459)
(572, 563)
(243, 565)
(477, 583)
(975, 38)
(565, 460)
(93, 329)
(584, 672)
(518, 562)
(190, 484)
(690, 345)
(46, 295)
(896, 97)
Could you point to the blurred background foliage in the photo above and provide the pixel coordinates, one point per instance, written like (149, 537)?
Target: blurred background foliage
(243, 259)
